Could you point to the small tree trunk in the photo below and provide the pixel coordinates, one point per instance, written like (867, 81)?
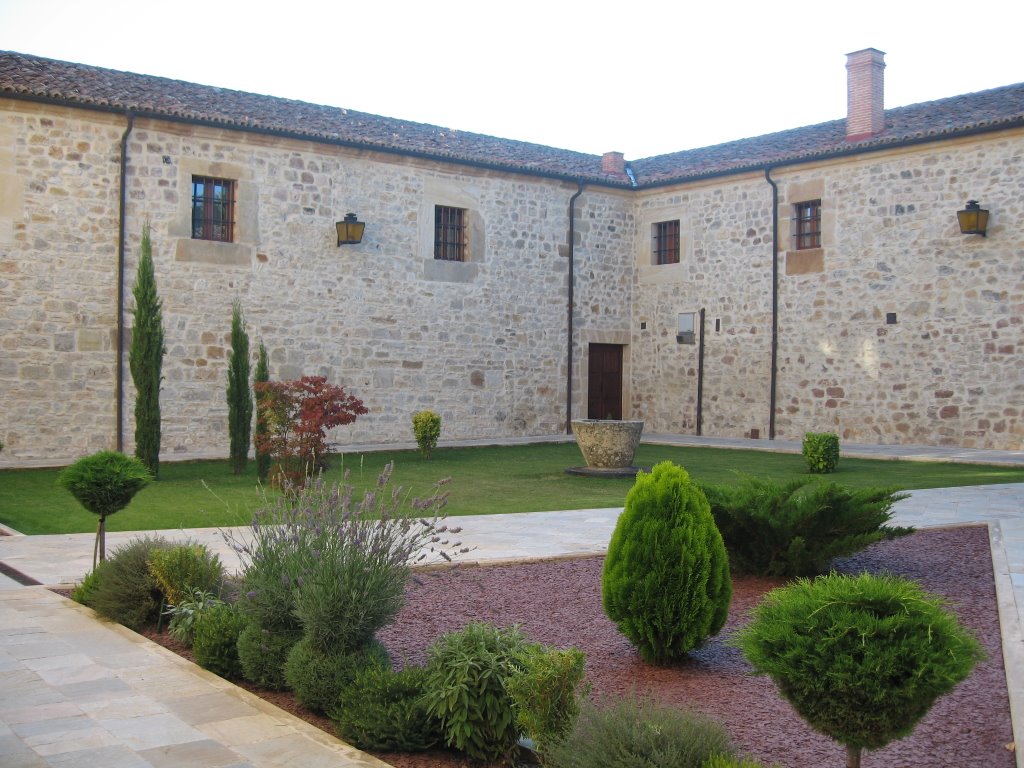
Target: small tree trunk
(853, 757)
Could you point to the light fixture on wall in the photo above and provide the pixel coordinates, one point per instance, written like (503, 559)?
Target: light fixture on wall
(350, 231)
(973, 219)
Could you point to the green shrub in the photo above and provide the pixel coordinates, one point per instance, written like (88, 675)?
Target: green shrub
(465, 689)
(666, 578)
(860, 658)
(193, 604)
(215, 640)
(262, 654)
(546, 695)
(239, 394)
(821, 449)
(182, 569)
(318, 678)
(145, 357)
(125, 590)
(725, 761)
(797, 528)
(104, 483)
(641, 733)
(426, 426)
(385, 710)
(83, 592)
(261, 430)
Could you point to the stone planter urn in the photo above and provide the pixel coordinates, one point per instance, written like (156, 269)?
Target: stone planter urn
(607, 446)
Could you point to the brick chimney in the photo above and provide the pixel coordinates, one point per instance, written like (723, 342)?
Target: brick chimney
(613, 162)
(865, 97)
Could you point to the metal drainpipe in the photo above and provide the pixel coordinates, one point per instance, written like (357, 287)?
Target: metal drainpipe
(122, 205)
(571, 299)
(700, 378)
(775, 303)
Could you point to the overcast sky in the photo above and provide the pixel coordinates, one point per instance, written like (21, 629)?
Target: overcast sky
(638, 77)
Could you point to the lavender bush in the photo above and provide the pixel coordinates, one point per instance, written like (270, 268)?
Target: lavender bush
(334, 567)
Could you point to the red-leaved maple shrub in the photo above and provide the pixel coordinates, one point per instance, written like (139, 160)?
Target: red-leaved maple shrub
(297, 415)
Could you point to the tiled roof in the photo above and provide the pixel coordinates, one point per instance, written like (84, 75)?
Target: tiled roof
(25, 76)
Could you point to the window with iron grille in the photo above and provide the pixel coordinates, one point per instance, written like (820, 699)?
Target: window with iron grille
(449, 233)
(213, 209)
(665, 247)
(807, 224)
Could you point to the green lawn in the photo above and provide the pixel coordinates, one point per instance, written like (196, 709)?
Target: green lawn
(484, 481)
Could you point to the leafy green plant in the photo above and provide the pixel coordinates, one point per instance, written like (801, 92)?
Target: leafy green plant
(145, 358)
(239, 395)
(821, 449)
(796, 528)
(215, 639)
(726, 761)
(260, 435)
(860, 658)
(384, 709)
(546, 693)
(639, 732)
(426, 427)
(465, 688)
(297, 415)
(262, 654)
(186, 612)
(318, 678)
(104, 483)
(666, 580)
(125, 590)
(83, 591)
(183, 569)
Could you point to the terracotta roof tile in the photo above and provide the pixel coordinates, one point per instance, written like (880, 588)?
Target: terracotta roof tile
(25, 76)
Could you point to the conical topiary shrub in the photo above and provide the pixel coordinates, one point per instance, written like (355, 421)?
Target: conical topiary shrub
(666, 577)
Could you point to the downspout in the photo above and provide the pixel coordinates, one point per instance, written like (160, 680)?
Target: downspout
(571, 300)
(122, 205)
(700, 378)
(775, 303)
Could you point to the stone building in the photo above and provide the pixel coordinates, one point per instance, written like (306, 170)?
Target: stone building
(813, 279)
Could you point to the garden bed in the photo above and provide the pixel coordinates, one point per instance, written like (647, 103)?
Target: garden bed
(559, 603)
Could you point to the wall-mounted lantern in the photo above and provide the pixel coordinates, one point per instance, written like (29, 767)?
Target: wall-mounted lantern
(350, 231)
(973, 219)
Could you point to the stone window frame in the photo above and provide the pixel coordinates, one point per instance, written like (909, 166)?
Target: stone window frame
(450, 233)
(241, 251)
(213, 211)
(648, 270)
(798, 191)
(807, 225)
(665, 240)
(449, 192)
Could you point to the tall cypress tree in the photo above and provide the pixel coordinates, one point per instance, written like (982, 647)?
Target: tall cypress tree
(262, 457)
(239, 393)
(145, 358)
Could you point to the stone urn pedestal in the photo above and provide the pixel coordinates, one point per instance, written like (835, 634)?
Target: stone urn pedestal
(607, 446)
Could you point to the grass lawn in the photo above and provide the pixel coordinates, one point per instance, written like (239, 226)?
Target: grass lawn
(487, 480)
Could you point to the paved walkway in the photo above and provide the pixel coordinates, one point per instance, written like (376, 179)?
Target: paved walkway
(79, 692)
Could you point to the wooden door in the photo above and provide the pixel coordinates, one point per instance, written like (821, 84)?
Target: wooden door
(604, 389)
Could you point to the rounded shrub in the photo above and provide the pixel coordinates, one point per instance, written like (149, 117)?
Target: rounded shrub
(125, 590)
(821, 450)
(465, 689)
(215, 640)
(262, 654)
(860, 658)
(666, 581)
(638, 732)
(384, 709)
(184, 568)
(426, 427)
(318, 677)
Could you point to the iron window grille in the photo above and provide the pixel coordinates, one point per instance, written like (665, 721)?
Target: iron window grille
(807, 221)
(213, 209)
(666, 242)
(449, 233)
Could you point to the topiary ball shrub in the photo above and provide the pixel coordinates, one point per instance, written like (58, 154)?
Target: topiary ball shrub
(385, 710)
(637, 732)
(821, 449)
(215, 640)
(125, 590)
(666, 581)
(860, 658)
(426, 427)
(466, 675)
(262, 654)
(318, 677)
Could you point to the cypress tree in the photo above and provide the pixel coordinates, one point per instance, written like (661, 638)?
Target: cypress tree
(262, 457)
(239, 394)
(145, 358)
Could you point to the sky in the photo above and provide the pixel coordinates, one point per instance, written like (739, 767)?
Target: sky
(639, 77)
